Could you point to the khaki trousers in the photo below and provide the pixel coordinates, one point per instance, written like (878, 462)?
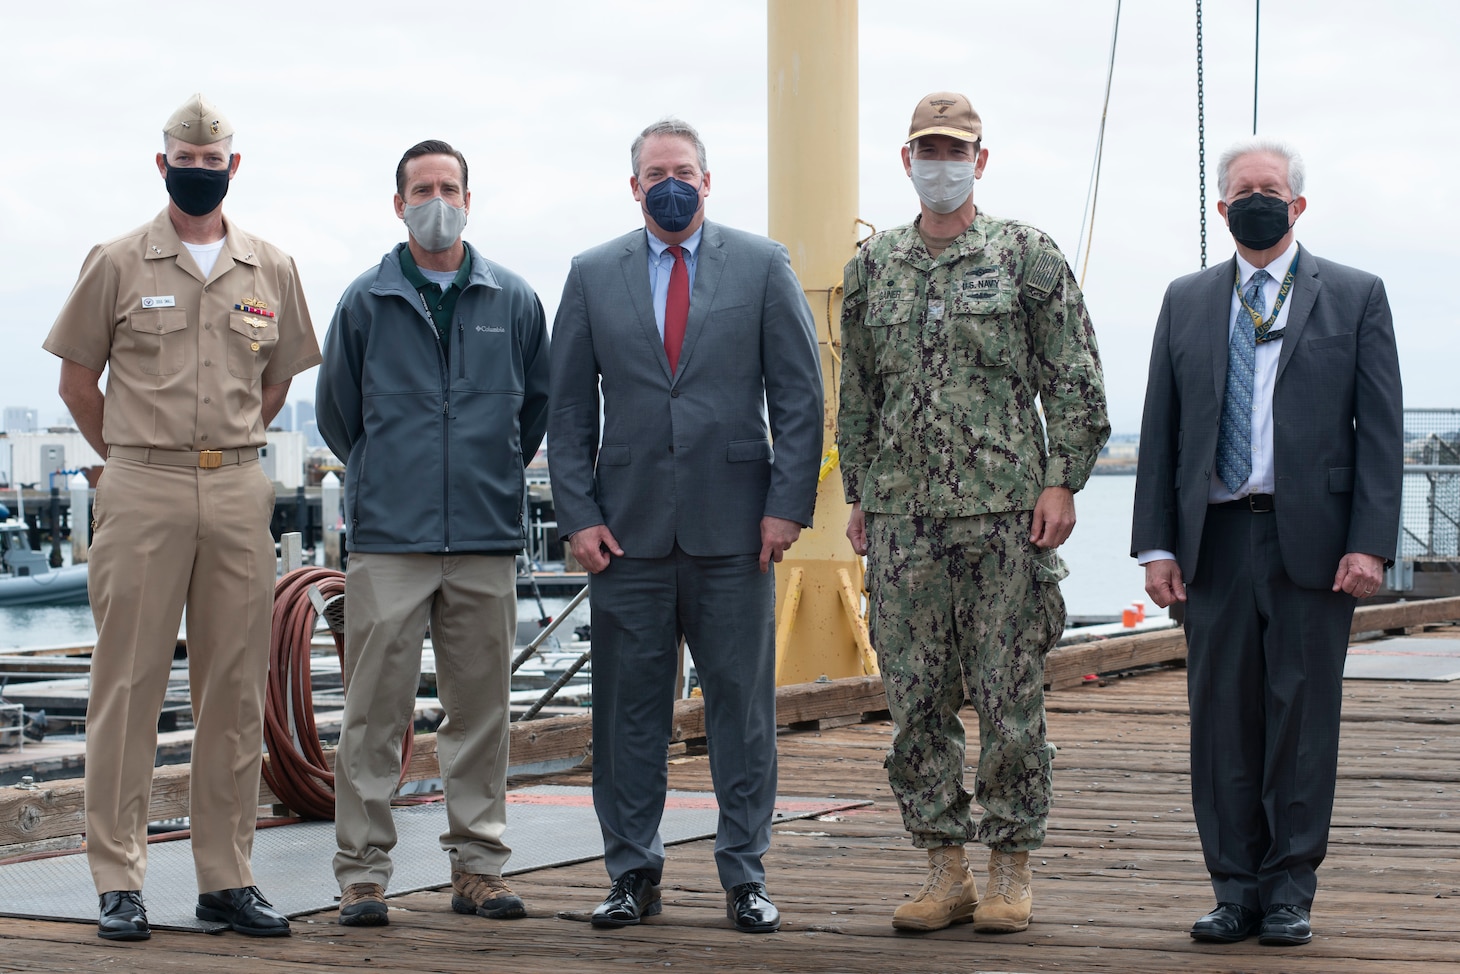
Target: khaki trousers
(165, 537)
(471, 603)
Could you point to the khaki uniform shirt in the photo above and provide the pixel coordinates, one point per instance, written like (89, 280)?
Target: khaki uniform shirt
(186, 365)
(943, 361)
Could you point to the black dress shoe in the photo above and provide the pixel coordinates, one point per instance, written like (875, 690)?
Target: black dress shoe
(751, 910)
(1285, 926)
(633, 896)
(1229, 923)
(123, 917)
(245, 910)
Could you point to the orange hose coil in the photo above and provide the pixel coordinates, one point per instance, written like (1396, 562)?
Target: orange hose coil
(296, 771)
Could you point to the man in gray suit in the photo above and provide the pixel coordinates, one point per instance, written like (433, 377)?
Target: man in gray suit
(705, 349)
(1267, 499)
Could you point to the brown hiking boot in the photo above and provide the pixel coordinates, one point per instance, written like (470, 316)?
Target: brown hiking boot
(949, 894)
(1008, 900)
(363, 905)
(486, 896)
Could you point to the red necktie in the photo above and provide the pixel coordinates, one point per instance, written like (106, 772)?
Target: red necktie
(676, 308)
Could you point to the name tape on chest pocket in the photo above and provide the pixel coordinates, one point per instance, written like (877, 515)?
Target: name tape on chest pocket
(981, 283)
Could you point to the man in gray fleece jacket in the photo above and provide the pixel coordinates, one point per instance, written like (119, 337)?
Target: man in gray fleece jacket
(433, 391)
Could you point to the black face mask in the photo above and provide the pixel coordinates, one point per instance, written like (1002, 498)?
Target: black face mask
(197, 191)
(1258, 222)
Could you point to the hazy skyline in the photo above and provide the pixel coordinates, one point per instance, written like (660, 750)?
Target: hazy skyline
(544, 100)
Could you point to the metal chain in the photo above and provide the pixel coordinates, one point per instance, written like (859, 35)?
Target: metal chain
(1201, 138)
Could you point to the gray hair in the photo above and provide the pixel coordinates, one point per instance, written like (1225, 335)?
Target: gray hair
(169, 141)
(668, 126)
(1258, 143)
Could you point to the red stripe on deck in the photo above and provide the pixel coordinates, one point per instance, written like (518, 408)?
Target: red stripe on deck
(671, 801)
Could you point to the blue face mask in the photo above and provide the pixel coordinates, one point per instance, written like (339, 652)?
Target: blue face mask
(672, 203)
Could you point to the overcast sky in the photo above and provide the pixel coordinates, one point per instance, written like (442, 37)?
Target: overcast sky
(544, 98)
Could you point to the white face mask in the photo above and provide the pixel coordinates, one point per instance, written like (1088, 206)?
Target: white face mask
(435, 223)
(942, 186)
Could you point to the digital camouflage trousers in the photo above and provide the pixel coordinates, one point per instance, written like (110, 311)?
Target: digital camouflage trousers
(966, 609)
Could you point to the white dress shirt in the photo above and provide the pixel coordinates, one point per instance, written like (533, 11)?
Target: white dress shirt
(1262, 480)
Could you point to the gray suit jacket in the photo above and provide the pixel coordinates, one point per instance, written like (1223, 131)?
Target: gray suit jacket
(1337, 420)
(685, 457)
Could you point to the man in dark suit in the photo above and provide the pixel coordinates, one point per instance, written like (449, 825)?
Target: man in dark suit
(705, 349)
(1267, 499)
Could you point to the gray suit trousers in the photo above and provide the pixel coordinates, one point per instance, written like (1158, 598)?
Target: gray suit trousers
(724, 607)
(1265, 683)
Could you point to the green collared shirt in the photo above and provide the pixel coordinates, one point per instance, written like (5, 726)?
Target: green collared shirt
(440, 303)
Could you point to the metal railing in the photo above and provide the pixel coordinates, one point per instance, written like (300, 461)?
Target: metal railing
(1429, 523)
(531, 648)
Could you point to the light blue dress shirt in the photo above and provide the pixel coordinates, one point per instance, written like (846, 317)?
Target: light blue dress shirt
(661, 263)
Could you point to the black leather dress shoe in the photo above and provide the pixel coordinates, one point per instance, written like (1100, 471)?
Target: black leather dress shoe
(245, 910)
(1285, 926)
(123, 917)
(633, 896)
(1229, 923)
(751, 910)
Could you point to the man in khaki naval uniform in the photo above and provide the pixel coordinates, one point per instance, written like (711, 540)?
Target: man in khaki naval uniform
(200, 327)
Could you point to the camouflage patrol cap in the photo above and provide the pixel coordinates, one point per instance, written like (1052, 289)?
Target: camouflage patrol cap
(198, 122)
(945, 113)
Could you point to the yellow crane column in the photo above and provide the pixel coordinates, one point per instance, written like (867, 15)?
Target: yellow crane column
(820, 629)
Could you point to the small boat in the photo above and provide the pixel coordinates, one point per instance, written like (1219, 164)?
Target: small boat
(26, 576)
(54, 586)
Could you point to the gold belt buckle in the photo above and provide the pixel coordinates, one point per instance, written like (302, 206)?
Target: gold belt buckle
(210, 459)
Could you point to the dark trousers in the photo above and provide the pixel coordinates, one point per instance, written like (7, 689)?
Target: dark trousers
(1265, 684)
(724, 607)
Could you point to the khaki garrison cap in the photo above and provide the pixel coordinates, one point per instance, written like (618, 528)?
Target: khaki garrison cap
(945, 113)
(198, 122)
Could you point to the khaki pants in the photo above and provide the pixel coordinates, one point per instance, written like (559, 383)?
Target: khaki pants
(165, 537)
(471, 602)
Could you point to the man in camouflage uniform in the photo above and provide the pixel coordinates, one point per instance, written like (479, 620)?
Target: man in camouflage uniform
(952, 327)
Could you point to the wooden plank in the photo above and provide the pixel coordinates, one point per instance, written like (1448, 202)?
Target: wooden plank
(56, 808)
(63, 650)
(50, 665)
(1067, 666)
(1401, 615)
(1117, 883)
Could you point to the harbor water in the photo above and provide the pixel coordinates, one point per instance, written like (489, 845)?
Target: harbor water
(1103, 580)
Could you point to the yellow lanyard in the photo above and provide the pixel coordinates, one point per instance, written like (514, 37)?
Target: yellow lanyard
(1262, 329)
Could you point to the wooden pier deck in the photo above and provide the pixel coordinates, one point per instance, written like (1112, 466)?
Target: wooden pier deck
(1116, 886)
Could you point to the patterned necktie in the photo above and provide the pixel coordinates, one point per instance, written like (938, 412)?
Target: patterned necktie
(676, 308)
(1234, 440)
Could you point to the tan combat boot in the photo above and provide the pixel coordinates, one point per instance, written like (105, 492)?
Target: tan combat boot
(948, 894)
(1007, 900)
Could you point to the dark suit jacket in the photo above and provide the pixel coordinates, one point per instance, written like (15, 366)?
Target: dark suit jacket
(685, 456)
(1337, 420)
